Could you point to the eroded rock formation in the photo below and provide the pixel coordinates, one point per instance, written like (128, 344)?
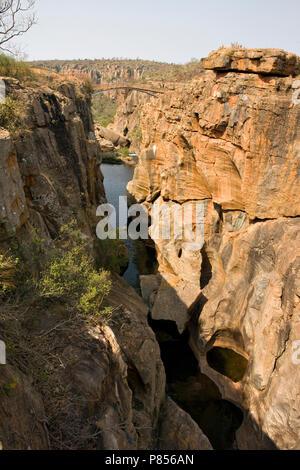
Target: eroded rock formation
(179, 432)
(109, 384)
(229, 141)
(101, 71)
(51, 166)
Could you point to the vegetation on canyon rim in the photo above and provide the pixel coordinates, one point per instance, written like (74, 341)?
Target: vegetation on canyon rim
(63, 284)
(11, 114)
(68, 275)
(13, 110)
(112, 255)
(151, 70)
(118, 157)
(10, 67)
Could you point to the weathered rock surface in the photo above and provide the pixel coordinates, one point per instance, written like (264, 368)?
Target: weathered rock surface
(13, 210)
(106, 146)
(97, 375)
(109, 383)
(253, 309)
(262, 61)
(105, 71)
(179, 432)
(122, 70)
(52, 167)
(105, 392)
(213, 130)
(127, 118)
(146, 375)
(149, 287)
(23, 419)
(229, 140)
(116, 139)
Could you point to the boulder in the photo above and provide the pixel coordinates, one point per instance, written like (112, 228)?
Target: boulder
(116, 139)
(262, 61)
(179, 431)
(23, 419)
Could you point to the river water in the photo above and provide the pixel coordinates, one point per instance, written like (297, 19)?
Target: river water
(116, 178)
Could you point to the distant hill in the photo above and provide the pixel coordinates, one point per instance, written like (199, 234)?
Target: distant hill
(128, 70)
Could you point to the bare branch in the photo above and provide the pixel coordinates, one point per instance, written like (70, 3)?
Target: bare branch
(16, 18)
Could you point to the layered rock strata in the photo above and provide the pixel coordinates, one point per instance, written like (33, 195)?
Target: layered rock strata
(229, 142)
(110, 386)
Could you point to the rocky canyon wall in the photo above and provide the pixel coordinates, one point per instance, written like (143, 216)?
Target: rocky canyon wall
(97, 387)
(106, 71)
(116, 71)
(229, 141)
(50, 166)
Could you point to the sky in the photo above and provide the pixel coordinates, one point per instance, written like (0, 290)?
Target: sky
(161, 30)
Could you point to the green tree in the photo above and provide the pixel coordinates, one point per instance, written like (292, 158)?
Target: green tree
(70, 275)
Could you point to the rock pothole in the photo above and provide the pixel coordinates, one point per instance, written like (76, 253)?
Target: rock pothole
(193, 391)
(227, 362)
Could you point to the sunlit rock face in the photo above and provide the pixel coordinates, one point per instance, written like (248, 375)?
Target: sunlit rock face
(13, 210)
(127, 118)
(230, 140)
(52, 163)
(262, 61)
(112, 380)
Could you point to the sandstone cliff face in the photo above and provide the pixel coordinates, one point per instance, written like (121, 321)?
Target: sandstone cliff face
(114, 71)
(110, 386)
(128, 116)
(229, 140)
(50, 170)
(23, 418)
(105, 71)
(123, 70)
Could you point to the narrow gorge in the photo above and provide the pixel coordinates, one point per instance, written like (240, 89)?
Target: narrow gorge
(192, 349)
